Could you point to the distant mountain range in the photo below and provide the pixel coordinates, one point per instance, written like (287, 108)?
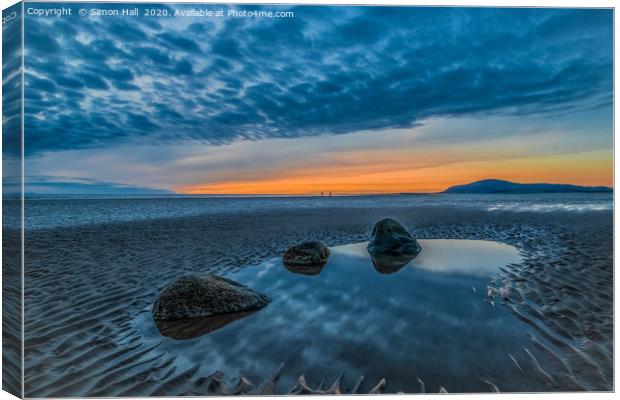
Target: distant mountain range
(498, 186)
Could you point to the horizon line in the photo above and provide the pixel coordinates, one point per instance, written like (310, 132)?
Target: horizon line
(326, 193)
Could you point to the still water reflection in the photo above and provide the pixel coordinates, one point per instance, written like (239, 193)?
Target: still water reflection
(425, 319)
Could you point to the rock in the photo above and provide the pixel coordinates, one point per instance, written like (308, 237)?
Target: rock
(391, 238)
(193, 296)
(307, 258)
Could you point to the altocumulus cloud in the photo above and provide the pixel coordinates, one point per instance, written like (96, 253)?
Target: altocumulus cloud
(11, 85)
(93, 82)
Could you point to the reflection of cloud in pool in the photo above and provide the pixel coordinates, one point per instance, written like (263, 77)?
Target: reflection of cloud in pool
(472, 257)
(357, 250)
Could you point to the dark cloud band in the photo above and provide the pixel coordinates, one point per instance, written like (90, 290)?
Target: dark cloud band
(96, 81)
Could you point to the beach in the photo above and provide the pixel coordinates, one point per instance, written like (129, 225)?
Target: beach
(86, 283)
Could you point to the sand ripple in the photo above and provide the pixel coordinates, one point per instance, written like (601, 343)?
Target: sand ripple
(84, 286)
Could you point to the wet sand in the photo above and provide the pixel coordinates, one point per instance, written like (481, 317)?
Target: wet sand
(85, 285)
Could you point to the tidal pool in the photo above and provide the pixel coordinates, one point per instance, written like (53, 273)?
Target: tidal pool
(426, 319)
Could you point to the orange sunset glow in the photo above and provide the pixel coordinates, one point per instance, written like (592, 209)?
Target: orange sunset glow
(392, 173)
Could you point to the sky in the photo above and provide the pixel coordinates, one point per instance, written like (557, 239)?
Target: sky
(336, 99)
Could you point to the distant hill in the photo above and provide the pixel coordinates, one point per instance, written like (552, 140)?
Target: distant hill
(498, 186)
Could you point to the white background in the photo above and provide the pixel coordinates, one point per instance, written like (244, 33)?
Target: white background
(565, 3)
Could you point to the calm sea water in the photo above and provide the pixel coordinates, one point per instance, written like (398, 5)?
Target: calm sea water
(50, 212)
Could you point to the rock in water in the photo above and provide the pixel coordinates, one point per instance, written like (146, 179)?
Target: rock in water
(391, 238)
(307, 258)
(194, 296)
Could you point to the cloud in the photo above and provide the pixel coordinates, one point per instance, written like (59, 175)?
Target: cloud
(11, 89)
(83, 186)
(96, 82)
(433, 156)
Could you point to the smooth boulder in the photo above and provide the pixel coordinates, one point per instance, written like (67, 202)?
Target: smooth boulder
(307, 258)
(193, 296)
(390, 238)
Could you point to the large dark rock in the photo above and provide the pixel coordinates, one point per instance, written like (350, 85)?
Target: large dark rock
(391, 238)
(193, 296)
(307, 258)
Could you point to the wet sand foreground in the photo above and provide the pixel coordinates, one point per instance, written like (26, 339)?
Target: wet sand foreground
(87, 285)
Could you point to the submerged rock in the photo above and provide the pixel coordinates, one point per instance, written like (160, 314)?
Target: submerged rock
(391, 238)
(193, 296)
(307, 258)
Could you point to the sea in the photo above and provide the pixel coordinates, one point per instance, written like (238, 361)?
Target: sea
(46, 211)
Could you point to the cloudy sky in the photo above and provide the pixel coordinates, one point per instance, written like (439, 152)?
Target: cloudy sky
(342, 99)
